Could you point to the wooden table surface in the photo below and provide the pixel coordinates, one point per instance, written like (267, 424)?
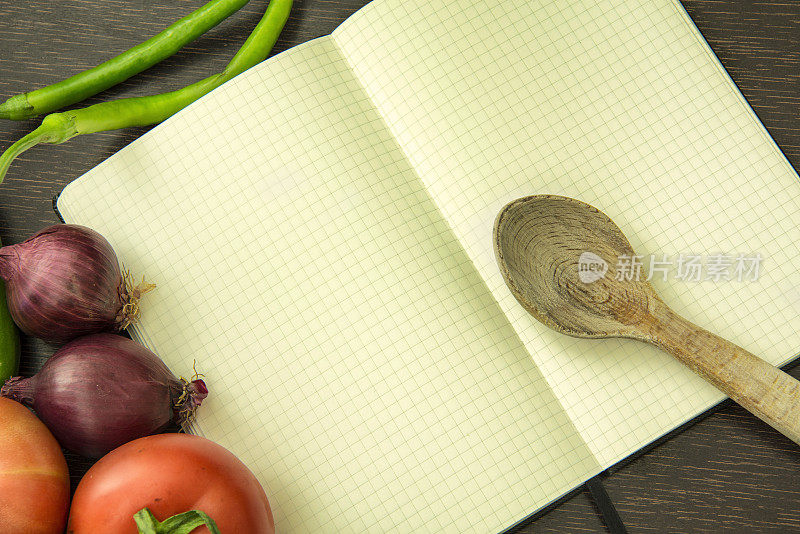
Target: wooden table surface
(726, 473)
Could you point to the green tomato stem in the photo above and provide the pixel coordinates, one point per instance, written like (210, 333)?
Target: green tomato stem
(120, 68)
(183, 523)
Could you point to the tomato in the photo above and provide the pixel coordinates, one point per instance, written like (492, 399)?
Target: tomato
(34, 481)
(169, 474)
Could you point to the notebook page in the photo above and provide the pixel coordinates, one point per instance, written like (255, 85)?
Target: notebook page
(620, 104)
(356, 360)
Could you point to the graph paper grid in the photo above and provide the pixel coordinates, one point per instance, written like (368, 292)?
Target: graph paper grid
(621, 105)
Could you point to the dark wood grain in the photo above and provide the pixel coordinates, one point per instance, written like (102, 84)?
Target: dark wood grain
(726, 473)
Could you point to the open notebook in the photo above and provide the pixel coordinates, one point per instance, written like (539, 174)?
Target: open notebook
(320, 232)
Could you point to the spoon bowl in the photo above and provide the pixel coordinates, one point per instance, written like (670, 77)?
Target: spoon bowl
(569, 280)
(572, 268)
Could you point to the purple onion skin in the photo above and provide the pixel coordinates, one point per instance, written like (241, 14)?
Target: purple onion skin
(62, 283)
(103, 390)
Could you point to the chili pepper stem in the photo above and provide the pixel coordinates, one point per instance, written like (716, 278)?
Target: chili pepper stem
(55, 128)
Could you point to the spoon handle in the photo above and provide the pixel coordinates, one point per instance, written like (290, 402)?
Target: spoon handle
(761, 388)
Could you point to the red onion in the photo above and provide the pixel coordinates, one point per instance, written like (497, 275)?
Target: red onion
(100, 391)
(65, 282)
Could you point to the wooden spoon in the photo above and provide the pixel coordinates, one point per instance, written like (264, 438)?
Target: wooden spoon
(539, 242)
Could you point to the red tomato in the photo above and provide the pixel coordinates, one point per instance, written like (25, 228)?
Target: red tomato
(169, 474)
(34, 482)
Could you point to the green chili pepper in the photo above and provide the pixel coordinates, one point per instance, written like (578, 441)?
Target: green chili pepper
(9, 339)
(145, 110)
(122, 67)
